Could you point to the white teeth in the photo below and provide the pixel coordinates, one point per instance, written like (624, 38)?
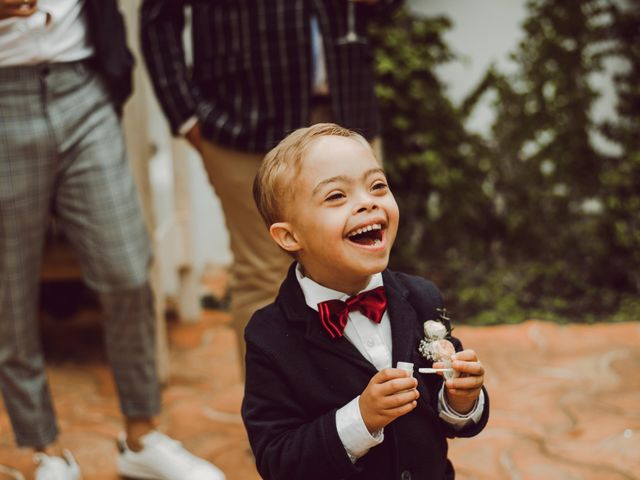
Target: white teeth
(368, 228)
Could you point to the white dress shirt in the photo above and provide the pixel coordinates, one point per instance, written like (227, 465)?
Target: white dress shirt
(373, 341)
(320, 83)
(57, 32)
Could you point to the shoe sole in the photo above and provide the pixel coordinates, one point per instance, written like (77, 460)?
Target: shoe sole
(137, 475)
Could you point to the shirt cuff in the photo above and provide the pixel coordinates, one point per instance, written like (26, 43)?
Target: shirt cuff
(187, 125)
(353, 433)
(458, 420)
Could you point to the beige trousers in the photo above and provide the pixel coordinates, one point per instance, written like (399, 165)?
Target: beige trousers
(259, 266)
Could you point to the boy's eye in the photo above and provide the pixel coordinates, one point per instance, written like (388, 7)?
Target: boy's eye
(334, 196)
(379, 185)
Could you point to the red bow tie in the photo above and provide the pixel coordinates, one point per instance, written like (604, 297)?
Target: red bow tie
(335, 313)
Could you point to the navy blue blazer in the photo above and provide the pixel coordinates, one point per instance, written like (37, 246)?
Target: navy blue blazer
(297, 377)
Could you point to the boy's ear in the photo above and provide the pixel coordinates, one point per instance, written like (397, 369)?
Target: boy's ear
(283, 235)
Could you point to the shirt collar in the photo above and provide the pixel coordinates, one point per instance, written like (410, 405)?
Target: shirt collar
(314, 293)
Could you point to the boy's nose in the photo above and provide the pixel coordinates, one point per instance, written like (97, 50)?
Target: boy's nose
(367, 203)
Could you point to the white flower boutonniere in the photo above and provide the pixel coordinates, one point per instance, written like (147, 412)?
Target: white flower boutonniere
(434, 330)
(435, 346)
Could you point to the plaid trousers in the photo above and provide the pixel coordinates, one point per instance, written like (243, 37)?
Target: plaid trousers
(62, 153)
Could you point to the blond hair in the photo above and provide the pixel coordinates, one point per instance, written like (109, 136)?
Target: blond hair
(272, 185)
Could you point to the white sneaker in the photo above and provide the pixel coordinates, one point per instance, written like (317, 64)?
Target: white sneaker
(57, 468)
(163, 458)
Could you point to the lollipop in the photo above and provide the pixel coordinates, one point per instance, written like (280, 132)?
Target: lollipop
(444, 349)
(434, 346)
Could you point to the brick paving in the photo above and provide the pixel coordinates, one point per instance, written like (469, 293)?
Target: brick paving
(565, 403)
(565, 400)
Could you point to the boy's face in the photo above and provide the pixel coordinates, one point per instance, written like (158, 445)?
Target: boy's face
(344, 219)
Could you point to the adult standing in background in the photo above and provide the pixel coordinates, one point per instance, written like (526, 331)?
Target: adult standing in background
(261, 69)
(65, 72)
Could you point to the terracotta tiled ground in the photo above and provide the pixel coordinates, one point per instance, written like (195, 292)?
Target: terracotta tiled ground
(565, 401)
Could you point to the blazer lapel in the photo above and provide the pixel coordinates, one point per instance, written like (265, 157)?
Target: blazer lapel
(340, 347)
(403, 319)
(405, 331)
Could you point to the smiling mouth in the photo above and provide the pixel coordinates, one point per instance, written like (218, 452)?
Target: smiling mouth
(370, 235)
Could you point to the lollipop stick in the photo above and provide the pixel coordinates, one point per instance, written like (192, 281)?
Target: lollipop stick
(434, 370)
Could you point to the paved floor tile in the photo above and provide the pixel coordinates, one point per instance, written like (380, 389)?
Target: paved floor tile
(565, 401)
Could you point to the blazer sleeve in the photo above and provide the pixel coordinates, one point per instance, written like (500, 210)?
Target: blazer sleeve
(161, 26)
(472, 429)
(385, 7)
(287, 444)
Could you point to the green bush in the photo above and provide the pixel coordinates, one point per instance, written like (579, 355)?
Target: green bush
(533, 221)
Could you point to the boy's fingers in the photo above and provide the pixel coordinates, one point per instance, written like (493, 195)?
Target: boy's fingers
(464, 393)
(465, 383)
(396, 385)
(470, 368)
(465, 355)
(388, 374)
(399, 399)
(402, 410)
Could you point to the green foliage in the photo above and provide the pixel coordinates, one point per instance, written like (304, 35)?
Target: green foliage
(533, 221)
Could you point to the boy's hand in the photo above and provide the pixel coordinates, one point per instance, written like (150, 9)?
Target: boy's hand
(462, 392)
(390, 394)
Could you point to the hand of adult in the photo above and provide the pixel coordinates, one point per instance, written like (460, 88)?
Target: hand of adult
(17, 8)
(194, 136)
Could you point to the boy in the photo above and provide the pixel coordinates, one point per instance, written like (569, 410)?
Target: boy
(321, 399)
